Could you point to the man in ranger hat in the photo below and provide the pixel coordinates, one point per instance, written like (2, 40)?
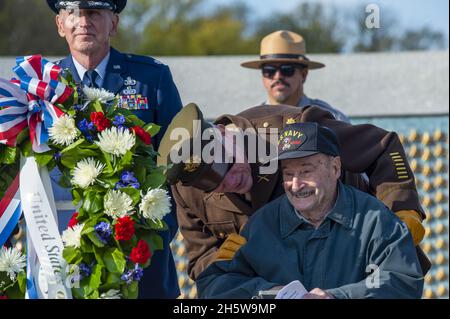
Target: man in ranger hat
(316, 234)
(215, 198)
(144, 86)
(284, 68)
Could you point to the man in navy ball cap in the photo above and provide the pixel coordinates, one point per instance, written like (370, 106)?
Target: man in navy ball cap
(316, 234)
(144, 86)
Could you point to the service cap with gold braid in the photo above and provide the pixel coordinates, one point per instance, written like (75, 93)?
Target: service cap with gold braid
(191, 169)
(115, 6)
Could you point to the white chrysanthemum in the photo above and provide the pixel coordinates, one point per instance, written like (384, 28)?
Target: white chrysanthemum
(111, 294)
(11, 261)
(86, 172)
(117, 204)
(63, 131)
(155, 204)
(116, 141)
(102, 95)
(72, 236)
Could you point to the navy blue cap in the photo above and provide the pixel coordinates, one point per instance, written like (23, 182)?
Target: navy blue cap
(305, 139)
(114, 5)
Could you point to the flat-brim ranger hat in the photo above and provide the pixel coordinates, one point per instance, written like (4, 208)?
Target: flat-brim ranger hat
(115, 6)
(191, 169)
(283, 47)
(305, 139)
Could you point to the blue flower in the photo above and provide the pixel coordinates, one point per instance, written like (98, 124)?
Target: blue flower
(138, 272)
(127, 277)
(78, 107)
(103, 231)
(57, 156)
(86, 128)
(119, 121)
(85, 270)
(133, 274)
(127, 179)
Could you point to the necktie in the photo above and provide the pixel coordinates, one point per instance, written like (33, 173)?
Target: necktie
(90, 78)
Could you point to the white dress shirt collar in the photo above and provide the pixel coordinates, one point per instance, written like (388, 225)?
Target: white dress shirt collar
(100, 69)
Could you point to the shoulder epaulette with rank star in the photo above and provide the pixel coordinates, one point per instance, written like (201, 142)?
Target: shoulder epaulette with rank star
(143, 59)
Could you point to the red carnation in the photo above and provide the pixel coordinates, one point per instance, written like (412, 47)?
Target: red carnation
(124, 228)
(142, 134)
(73, 220)
(100, 121)
(141, 253)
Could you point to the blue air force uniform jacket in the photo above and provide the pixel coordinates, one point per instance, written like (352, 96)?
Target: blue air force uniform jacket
(146, 87)
(358, 236)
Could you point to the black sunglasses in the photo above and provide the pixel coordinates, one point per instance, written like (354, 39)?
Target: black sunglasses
(287, 70)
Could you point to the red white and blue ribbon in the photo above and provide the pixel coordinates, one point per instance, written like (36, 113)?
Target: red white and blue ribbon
(10, 211)
(29, 102)
(34, 105)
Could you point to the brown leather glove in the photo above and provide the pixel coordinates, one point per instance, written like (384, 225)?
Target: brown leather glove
(413, 220)
(230, 246)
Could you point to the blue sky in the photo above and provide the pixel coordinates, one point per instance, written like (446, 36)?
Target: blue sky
(410, 13)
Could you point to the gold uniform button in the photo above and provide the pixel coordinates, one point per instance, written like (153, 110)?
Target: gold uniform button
(221, 235)
(266, 124)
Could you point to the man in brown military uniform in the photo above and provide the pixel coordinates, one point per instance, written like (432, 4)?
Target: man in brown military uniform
(207, 218)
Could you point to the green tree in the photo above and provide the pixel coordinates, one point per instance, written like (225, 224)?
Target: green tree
(183, 28)
(320, 26)
(390, 36)
(422, 39)
(28, 27)
(382, 38)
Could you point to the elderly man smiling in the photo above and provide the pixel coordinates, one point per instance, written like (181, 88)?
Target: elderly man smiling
(325, 234)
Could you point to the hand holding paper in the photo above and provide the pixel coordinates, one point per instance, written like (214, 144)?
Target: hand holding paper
(293, 290)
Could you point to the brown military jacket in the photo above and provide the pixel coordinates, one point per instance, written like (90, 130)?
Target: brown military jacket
(205, 219)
